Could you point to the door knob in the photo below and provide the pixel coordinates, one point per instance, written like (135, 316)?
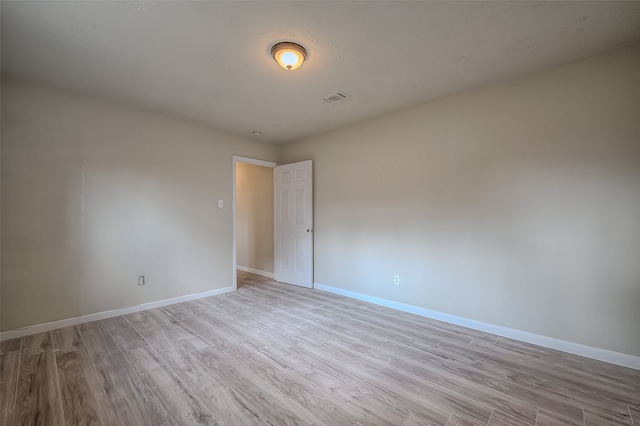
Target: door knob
(310, 230)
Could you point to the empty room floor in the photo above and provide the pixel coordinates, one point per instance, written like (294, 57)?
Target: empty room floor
(273, 354)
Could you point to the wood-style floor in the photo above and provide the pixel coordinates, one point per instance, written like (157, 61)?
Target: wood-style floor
(273, 354)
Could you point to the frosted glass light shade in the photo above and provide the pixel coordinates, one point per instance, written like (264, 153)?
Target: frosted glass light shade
(289, 55)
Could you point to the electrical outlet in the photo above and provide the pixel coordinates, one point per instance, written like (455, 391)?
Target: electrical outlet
(141, 281)
(396, 279)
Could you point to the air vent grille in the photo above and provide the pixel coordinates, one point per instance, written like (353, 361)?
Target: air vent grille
(336, 97)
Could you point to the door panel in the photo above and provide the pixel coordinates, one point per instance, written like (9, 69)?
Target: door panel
(294, 223)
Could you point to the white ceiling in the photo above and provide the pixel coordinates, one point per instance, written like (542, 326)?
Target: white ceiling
(209, 62)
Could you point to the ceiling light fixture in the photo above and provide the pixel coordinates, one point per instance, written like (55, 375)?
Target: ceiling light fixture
(289, 55)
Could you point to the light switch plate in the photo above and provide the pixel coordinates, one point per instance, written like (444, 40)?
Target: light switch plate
(220, 204)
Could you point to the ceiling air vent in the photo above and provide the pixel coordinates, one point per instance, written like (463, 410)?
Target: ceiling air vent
(336, 97)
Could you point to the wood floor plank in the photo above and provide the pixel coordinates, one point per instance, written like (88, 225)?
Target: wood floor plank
(340, 332)
(97, 338)
(452, 402)
(127, 398)
(10, 345)
(178, 331)
(452, 376)
(321, 404)
(232, 331)
(367, 382)
(555, 373)
(362, 329)
(635, 414)
(282, 300)
(155, 336)
(68, 339)
(141, 322)
(498, 418)
(38, 398)
(367, 420)
(415, 421)
(226, 404)
(37, 343)
(456, 420)
(546, 418)
(577, 363)
(9, 367)
(173, 392)
(214, 304)
(562, 386)
(83, 402)
(200, 327)
(499, 386)
(376, 404)
(242, 311)
(280, 331)
(125, 336)
(274, 407)
(393, 324)
(422, 398)
(581, 392)
(605, 417)
(314, 363)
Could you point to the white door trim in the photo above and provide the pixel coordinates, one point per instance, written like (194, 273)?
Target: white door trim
(234, 160)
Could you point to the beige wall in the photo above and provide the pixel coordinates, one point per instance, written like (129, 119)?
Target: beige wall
(254, 216)
(517, 204)
(95, 194)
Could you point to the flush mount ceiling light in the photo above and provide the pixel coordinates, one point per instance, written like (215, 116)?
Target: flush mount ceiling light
(289, 55)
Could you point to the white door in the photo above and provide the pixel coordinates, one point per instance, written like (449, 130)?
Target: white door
(294, 223)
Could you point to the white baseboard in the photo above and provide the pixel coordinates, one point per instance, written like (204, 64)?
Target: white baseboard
(605, 355)
(39, 328)
(255, 271)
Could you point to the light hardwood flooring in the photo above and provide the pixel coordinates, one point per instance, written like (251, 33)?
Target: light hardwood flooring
(273, 354)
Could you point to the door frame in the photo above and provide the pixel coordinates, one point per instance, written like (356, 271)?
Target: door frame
(235, 159)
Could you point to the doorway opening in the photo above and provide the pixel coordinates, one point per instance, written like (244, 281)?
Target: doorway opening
(273, 220)
(253, 217)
